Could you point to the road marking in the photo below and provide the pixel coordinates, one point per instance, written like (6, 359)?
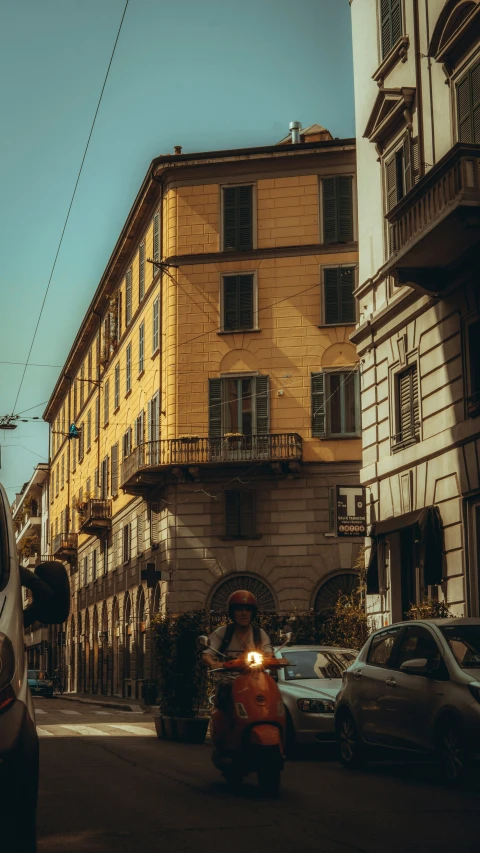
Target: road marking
(106, 713)
(136, 730)
(63, 711)
(100, 730)
(41, 732)
(39, 711)
(85, 730)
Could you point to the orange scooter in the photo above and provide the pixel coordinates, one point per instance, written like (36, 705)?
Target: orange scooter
(248, 731)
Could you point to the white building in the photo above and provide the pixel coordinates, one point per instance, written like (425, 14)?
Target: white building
(417, 98)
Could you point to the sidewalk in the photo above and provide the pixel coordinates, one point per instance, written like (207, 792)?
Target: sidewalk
(110, 702)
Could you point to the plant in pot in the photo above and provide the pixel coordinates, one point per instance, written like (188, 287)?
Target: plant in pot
(182, 678)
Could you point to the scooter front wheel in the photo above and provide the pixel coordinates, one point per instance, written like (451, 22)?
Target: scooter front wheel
(269, 781)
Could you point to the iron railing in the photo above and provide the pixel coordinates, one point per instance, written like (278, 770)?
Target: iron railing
(209, 451)
(97, 511)
(65, 543)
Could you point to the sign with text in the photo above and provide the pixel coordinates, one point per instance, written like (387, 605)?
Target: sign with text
(351, 511)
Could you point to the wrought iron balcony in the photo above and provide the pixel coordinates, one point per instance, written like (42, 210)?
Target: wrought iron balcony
(437, 224)
(148, 464)
(65, 546)
(95, 516)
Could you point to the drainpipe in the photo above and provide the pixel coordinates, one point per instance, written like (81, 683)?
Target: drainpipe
(418, 76)
(427, 21)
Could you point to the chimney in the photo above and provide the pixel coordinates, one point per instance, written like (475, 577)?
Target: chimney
(295, 127)
(177, 149)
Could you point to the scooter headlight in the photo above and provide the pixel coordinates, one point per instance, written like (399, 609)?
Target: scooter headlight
(254, 659)
(7, 671)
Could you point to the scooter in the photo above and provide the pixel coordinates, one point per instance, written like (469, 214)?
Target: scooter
(249, 734)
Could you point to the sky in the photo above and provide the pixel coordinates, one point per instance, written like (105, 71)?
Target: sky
(204, 75)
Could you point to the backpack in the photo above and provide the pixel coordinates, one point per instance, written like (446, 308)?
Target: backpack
(230, 630)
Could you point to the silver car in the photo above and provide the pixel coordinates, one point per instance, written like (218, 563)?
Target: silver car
(309, 687)
(415, 686)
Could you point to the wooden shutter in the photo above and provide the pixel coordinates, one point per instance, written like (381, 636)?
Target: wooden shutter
(391, 181)
(318, 405)
(245, 301)
(114, 458)
(119, 315)
(214, 408)
(139, 429)
(154, 524)
(119, 548)
(247, 514)
(347, 299)
(329, 210)
(238, 218)
(244, 218)
(345, 209)
(229, 218)
(407, 163)
(475, 89)
(463, 110)
(238, 302)
(140, 533)
(415, 161)
(263, 404)
(331, 294)
(156, 239)
(391, 24)
(232, 514)
(97, 416)
(408, 403)
(396, 20)
(141, 271)
(128, 297)
(230, 303)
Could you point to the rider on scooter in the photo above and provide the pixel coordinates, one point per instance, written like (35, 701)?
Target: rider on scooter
(234, 639)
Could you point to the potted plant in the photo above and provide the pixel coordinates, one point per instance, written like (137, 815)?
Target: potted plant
(182, 678)
(31, 546)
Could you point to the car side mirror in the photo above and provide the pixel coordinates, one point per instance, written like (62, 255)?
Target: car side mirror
(417, 666)
(50, 590)
(202, 642)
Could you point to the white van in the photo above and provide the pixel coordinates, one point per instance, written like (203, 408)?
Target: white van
(18, 737)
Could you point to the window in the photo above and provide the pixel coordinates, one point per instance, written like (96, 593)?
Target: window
(88, 491)
(240, 514)
(116, 400)
(338, 299)
(140, 534)
(417, 642)
(119, 315)
(96, 483)
(127, 443)
(106, 404)
(81, 438)
(104, 479)
(407, 407)
(337, 197)
(335, 404)
(89, 429)
(140, 429)
(114, 456)
(381, 647)
(473, 360)
(156, 240)
(74, 399)
(85, 571)
(82, 384)
(97, 416)
(128, 369)
(128, 297)
(141, 271)
(105, 555)
(74, 454)
(238, 302)
(141, 348)
(155, 326)
(63, 471)
(468, 106)
(89, 364)
(391, 24)
(398, 171)
(94, 563)
(239, 405)
(238, 218)
(126, 543)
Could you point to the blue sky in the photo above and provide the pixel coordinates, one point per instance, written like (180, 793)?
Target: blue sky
(204, 75)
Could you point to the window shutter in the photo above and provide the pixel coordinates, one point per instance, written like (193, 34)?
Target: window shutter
(156, 240)
(345, 209)
(244, 218)
(119, 548)
(230, 304)
(128, 297)
(263, 405)
(154, 524)
(408, 403)
(385, 26)
(415, 162)
(229, 218)
(463, 110)
(391, 179)
(247, 514)
(97, 416)
(318, 405)
(140, 533)
(347, 299)
(119, 315)
(114, 457)
(396, 18)
(329, 210)
(141, 271)
(407, 163)
(475, 89)
(237, 218)
(215, 408)
(139, 429)
(245, 301)
(232, 514)
(332, 286)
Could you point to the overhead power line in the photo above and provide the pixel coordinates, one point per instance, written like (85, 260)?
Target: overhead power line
(70, 207)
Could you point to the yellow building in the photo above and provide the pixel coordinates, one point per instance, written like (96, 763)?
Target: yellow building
(216, 395)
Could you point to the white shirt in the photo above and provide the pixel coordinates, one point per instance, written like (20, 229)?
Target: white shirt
(239, 645)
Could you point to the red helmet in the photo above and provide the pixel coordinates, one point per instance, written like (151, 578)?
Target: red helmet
(242, 598)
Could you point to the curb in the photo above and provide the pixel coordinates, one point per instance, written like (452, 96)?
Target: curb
(121, 706)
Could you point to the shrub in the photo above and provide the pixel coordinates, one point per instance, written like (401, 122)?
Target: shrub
(429, 609)
(182, 679)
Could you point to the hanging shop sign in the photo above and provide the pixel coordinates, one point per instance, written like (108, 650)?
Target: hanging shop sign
(351, 511)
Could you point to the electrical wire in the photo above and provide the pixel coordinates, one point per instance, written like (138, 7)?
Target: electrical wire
(70, 207)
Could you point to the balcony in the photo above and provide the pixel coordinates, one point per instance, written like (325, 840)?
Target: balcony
(154, 462)
(65, 546)
(436, 226)
(95, 516)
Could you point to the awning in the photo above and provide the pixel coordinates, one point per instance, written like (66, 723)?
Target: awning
(429, 534)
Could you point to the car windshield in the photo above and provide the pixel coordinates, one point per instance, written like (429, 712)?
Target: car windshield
(464, 641)
(316, 663)
(37, 675)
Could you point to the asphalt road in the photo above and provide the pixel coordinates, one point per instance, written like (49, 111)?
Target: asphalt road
(108, 785)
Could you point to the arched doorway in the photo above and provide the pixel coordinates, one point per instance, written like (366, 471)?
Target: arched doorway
(343, 583)
(103, 654)
(86, 644)
(263, 594)
(127, 651)
(72, 649)
(115, 648)
(95, 652)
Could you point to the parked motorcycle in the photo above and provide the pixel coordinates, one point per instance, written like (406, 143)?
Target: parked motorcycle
(248, 730)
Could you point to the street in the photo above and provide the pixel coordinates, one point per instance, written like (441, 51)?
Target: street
(108, 784)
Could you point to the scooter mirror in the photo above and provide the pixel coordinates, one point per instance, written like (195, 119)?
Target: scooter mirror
(202, 642)
(288, 637)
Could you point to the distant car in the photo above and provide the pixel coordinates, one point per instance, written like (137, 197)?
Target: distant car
(414, 686)
(309, 686)
(40, 683)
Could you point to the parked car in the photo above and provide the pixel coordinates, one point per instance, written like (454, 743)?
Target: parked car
(309, 686)
(414, 686)
(18, 737)
(40, 683)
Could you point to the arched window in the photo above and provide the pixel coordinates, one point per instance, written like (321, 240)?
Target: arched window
(341, 584)
(259, 589)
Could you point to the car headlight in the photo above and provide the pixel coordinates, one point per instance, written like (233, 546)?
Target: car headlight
(7, 671)
(315, 706)
(474, 688)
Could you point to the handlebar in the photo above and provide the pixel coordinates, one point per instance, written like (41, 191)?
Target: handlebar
(240, 664)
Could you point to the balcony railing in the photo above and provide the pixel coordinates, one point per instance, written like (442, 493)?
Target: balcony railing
(65, 545)
(438, 221)
(96, 515)
(195, 451)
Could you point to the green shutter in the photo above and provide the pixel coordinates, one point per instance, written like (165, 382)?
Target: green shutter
(215, 408)
(263, 405)
(407, 163)
(245, 220)
(329, 210)
(331, 291)
(230, 303)
(347, 299)
(229, 218)
(475, 89)
(318, 405)
(396, 19)
(245, 301)
(463, 110)
(385, 27)
(156, 239)
(247, 514)
(345, 209)
(232, 514)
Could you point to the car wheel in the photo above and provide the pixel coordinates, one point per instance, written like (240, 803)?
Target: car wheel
(452, 752)
(352, 750)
